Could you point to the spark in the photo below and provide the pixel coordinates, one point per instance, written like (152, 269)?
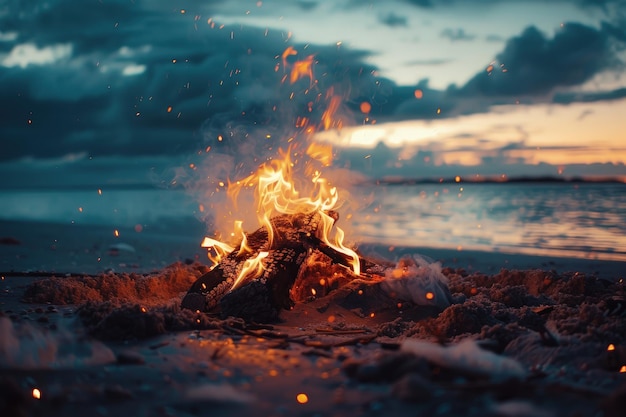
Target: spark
(36, 394)
(302, 398)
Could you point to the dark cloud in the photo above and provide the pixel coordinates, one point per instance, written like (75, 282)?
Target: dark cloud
(195, 82)
(393, 20)
(535, 64)
(198, 82)
(602, 4)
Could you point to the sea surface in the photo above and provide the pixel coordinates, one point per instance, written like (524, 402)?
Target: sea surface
(547, 219)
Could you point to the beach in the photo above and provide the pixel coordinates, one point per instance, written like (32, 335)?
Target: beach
(543, 335)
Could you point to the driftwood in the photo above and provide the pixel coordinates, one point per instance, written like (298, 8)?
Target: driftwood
(261, 299)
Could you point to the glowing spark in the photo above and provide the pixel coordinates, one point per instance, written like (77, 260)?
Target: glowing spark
(611, 347)
(36, 394)
(287, 53)
(418, 94)
(430, 295)
(116, 233)
(301, 69)
(302, 398)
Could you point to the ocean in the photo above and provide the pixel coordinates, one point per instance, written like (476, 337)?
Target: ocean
(585, 220)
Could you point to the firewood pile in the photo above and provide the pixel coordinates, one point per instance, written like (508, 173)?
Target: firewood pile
(297, 267)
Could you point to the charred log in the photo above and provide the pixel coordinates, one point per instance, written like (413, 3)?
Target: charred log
(261, 298)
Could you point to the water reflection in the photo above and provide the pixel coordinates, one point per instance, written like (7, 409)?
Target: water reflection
(542, 219)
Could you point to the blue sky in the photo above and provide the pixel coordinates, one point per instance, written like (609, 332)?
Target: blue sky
(123, 92)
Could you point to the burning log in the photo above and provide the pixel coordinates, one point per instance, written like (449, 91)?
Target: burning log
(254, 281)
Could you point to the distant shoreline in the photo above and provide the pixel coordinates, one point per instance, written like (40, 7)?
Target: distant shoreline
(496, 180)
(389, 180)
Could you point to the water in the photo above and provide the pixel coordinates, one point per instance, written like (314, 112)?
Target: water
(571, 220)
(554, 219)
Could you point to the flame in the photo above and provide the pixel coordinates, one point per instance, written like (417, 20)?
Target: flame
(301, 69)
(321, 152)
(252, 268)
(287, 53)
(274, 183)
(221, 249)
(276, 193)
(328, 117)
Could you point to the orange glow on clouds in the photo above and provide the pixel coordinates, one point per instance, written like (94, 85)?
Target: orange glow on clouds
(555, 135)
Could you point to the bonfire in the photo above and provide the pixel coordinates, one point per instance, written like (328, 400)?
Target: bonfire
(289, 319)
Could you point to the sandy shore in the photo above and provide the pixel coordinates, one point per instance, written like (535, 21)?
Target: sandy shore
(75, 248)
(546, 340)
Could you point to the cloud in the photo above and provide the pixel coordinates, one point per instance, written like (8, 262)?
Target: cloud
(456, 35)
(535, 64)
(26, 54)
(120, 80)
(393, 20)
(430, 62)
(130, 87)
(588, 97)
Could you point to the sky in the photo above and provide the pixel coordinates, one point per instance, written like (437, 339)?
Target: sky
(127, 92)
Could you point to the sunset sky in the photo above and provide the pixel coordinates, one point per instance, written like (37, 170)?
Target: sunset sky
(104, 92)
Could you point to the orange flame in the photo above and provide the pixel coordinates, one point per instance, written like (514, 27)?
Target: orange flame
(276, 192)
(287, 53)
(301, 69)
(328, 117)
(321, 152)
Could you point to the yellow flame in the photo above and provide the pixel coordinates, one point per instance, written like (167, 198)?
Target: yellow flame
(243, 246)
(221, 249)
(321, 152)
(252, 268)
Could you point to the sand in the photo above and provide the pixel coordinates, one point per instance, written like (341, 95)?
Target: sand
(92, 321)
